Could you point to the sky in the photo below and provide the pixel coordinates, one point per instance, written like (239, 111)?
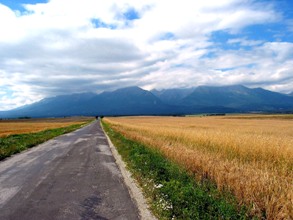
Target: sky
(55, 47)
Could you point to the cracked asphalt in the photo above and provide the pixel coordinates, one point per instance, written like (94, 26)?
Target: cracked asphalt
(73, 176)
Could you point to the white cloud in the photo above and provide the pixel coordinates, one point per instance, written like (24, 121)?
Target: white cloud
(87, 45)
(269, 65)
(245, 42)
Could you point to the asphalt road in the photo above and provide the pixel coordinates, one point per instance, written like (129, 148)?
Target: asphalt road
(73, 176)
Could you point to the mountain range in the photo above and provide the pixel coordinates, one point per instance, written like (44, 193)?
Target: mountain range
(136, 101)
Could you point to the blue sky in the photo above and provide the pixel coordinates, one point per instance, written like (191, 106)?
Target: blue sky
(18, 4)
(56, 47)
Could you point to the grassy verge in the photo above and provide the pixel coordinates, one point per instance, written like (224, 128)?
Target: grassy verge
(18, 142)
(173, 193)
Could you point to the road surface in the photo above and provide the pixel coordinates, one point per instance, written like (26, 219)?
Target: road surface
(73, 176)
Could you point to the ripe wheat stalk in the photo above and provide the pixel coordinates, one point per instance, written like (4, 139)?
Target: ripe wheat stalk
(251, 158)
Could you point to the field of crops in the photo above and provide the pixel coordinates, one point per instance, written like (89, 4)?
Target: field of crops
(250, 156)
(19, 135)
(21, 126)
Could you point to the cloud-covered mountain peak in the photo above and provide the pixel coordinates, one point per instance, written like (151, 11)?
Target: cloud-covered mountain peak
(136, 101)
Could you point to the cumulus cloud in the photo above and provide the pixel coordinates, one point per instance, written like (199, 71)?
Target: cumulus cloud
(73, 46)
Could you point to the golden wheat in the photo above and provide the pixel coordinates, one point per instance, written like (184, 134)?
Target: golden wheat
(251, 158)
(9, 127)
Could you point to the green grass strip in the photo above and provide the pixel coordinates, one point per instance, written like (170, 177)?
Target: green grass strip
(16, 143)
(173, 193)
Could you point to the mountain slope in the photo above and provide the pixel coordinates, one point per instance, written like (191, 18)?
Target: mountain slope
(172, 96)
(127, 101)
(136, 101)
(65, 105)
(238, 97)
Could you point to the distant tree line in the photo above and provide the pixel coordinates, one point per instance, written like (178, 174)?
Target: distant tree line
(216, 114)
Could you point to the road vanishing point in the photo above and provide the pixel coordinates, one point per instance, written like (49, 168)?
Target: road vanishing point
(73, 176)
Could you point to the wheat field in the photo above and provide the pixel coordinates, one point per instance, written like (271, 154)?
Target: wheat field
(21, 126)
(251, 156)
